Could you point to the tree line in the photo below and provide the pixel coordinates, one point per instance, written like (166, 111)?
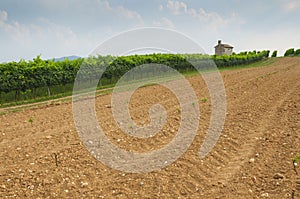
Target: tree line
(28, 76)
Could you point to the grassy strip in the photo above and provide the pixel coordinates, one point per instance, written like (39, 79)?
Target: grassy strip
(47, 98)
(56, 101)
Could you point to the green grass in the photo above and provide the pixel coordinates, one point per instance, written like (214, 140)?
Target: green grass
(262, 63)
(59, 92)
(55, 95)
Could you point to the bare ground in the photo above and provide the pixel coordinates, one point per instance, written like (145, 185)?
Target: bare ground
(252, 159)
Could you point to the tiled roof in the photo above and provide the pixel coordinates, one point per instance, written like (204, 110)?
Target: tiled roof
(225, 46)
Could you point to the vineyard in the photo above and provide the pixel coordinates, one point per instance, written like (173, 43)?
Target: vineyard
(31, 79)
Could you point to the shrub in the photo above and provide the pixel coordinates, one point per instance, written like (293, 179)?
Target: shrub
(297, 52)
(274, 54)
(289, 52)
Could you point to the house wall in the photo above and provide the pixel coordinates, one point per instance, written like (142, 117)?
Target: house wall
(228, 51)
(221, 51)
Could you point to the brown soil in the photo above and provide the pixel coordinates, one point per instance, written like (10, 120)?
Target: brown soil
(252, 159)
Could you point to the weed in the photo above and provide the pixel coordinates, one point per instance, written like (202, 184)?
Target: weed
(130, 126)
(295, 162)
(297, 158)
(203, 99)
(178, 110)
(30, 120)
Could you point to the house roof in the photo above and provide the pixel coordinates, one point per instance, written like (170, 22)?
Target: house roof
(224, 45)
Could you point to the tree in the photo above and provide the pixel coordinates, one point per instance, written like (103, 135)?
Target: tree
(274, 54)
(289, 52)
(297, 52)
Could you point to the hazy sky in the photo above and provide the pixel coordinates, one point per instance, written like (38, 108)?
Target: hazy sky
(56, 28)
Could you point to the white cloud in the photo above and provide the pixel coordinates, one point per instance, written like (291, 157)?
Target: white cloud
(59, 34)
(75, 4)
(14, 29)
(18, 31)
(161, 8)
(164, 22)
(3, 17)
(56, 32)
(54, 38)
(212, 19)
(177, 7)
(121, 11)
(291, 5)
(100, 7)
(104, 4)
(129, 14)
(25, 34)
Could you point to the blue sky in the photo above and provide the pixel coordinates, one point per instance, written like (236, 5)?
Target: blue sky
(56, 28)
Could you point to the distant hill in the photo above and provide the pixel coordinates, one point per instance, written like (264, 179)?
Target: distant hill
(68, 57)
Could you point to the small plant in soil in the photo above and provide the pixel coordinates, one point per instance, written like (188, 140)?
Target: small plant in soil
(30, 120)
(178, 110)
(130, 126)
(295, 162)
(203, 99)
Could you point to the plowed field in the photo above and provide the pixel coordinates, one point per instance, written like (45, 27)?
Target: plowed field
(45, 158)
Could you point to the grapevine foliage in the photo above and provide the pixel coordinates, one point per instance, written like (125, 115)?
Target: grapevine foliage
(30, 75)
